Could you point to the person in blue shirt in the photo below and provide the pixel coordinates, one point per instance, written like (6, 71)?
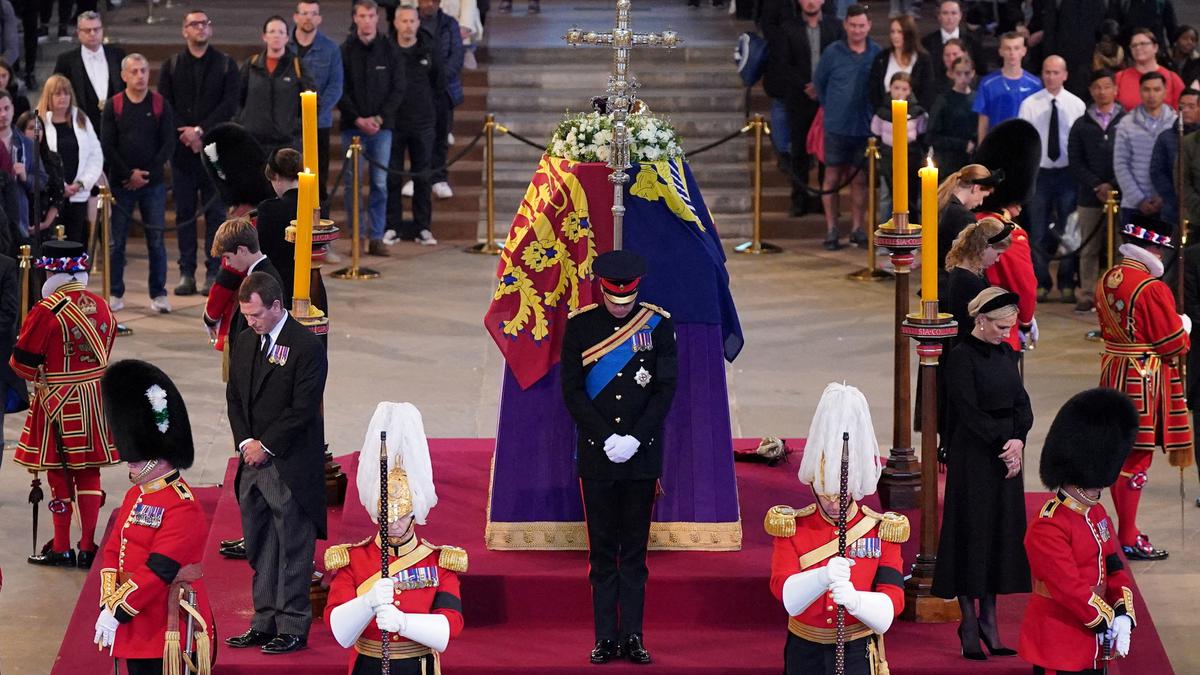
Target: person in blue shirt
(841, 84)
(321, 58)
(1000, 94)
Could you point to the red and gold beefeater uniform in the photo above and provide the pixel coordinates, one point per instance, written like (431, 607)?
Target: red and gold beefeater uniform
(154, 548)
(426, 583)
(63, 349)
(1144, 341)
(872, 542)
(1080, 584)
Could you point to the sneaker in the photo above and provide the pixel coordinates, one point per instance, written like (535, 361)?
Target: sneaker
(116, 304)
(858, 238)
(376, 247)
(831, 242)
(43, 35)
(389, 237)
(186, 286)
(407, 190)
(442, 190)
(160, 305)
(426, 238)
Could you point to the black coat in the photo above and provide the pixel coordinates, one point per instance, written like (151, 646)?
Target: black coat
(269, 103)
(951, 221)
(70, 64)
(280, 405)
(962, 285)
(1090, 153)
(623, 406)
(789, 59)
(924, 89)
(274, 216)
(373, 82)
(1191, 307)
(1069, 30)
(974, 43)
(232, 281)
(203, 92)
(981, 549)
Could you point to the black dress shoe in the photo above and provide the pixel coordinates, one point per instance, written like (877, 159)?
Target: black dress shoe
(236, 552)
(251, 638)
(605, 651)
(1142, 550)
(51, 558)
(230, 543)
(284, 643)
(85, 559)
(634, 650)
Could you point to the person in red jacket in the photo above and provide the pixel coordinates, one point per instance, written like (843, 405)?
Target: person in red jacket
(1081, 612)
(417, 608)
(151, 583)
(63, 349)
(808, 575)
(1145, 341)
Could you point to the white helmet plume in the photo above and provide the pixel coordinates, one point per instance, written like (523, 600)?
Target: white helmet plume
(407, 449)
(842, 409)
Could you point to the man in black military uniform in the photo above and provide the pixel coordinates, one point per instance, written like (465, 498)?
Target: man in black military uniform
(618, 375)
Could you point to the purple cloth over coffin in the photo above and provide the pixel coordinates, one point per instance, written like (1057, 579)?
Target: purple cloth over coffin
(534, 477)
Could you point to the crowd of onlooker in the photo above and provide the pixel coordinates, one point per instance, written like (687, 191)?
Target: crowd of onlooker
(1106, 83)
(392, 71)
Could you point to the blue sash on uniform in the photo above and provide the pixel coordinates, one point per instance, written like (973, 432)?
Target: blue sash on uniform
(610, 364)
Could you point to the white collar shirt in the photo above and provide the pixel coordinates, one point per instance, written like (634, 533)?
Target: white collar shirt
(1036, 111)
(96, 65)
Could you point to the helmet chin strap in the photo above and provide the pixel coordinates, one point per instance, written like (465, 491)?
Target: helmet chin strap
(146, 471)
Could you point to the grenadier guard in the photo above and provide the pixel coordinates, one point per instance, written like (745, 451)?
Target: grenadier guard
(619, 369)
(154, 610)
(63, 349)
(418, 605)
(1081, 611)
(808, 575)
(1144, 342)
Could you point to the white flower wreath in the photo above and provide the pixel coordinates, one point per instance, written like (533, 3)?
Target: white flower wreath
(585, 137)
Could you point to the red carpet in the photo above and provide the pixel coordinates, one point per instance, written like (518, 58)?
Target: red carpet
(530, 612)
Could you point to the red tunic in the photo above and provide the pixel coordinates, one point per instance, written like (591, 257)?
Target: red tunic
(1143, 342)
(434, 569)
(157, 537)
(70, 334)
(1013, 271)
(873, 542)
(222, 303)
(1080, 585)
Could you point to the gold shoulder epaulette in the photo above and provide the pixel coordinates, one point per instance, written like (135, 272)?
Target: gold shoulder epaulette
(452, 558)
(182, 489)
(583, 309)
(338, 556)
(781, 520)
(893, 527)
(1049, 508)
(656, 308)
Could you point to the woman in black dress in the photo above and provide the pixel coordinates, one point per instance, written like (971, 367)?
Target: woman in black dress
(958, 195)
(981, 552)
(977, 247)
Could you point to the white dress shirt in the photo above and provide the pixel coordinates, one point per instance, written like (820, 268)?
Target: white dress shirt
(97, 71)
(1036, 111)
(266, 342)
(946, 37)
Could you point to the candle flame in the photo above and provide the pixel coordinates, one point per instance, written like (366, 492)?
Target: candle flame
(929, 163)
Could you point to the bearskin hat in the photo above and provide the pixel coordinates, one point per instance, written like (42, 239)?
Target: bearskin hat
(1089, 440)
(146, 414)
(1015, 148)
(235, 161)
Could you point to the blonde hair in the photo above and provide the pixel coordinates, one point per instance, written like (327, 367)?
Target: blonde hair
(985, 296)
(54, 85)
(969, 245)
(960, 178)
(233, 233)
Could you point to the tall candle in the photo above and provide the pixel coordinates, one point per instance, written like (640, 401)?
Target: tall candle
(899, 156)
(308, 116)
(305, 204)
(929, 233)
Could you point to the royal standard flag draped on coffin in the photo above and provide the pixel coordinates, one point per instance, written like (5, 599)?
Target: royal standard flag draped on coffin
(565, 220)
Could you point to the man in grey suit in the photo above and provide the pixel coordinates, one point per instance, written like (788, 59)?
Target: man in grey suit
(276, 382)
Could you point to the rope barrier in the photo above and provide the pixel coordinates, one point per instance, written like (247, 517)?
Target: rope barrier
(427, 173)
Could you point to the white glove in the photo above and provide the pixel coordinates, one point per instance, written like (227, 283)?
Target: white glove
(389, 619)
(610, 442)
(1033, 332)
(431, 630)
(1119, 634)
(382, 593)
(845, 594)
(1187, 323)
(348, 619)
(838, 569)
(624, 448)
(803, 588)
(106, 629)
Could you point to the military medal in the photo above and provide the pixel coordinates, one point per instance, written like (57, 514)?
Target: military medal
(144, 514)
(867, 547)
(1102, 527)
(642, 377)
(278, 355)
(643, 340)
(417, 577)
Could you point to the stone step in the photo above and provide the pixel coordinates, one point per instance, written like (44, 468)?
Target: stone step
(550, 76)
(661, 101)
(643, 59)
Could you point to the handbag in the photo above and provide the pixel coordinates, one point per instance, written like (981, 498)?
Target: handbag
(815, 142)
(750, 55)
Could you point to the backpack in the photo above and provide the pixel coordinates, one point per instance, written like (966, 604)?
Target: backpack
(295, 62)
(156, 104)
(750, 55)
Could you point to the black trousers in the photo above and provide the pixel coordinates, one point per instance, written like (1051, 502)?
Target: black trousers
(441, 147)
(74, 219)
(144, 666)
(801, 657)
(194, 191)
(369, 665)
(29, 12)
(801, 111)
(417, 144)
(618, 523)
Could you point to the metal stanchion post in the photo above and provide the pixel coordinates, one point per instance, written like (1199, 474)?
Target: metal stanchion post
(354, 271)
(150, 18)
(871, 272)
(756, 245)
(1112, 207)
(26, 264)
(106, 201)
(488, 246)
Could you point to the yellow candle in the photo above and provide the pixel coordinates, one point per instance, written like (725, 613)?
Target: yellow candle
(929, 233)
(308, 116)
(305, 205)
(899, 156)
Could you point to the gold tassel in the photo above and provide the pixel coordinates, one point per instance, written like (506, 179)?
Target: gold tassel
(780, 521)
(881, 664)
(171, 654)
(1181, 458)
(203, 653)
